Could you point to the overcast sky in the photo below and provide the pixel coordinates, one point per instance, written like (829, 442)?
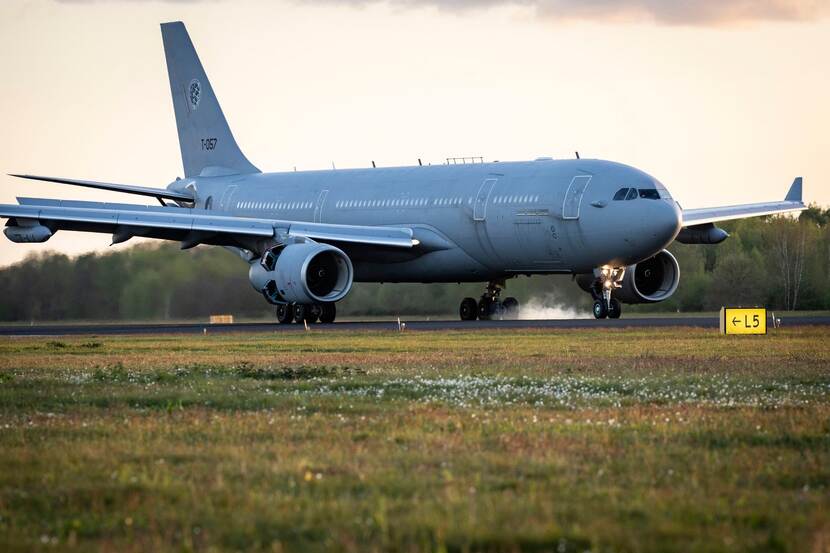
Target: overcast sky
(725, 101)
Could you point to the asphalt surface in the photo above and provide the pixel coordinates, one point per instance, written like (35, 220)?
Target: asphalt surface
(645, 322)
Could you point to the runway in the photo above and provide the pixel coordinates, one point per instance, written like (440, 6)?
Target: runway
(196, 328)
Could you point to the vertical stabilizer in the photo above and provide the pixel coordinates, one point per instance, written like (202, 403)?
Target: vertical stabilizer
(208, 147)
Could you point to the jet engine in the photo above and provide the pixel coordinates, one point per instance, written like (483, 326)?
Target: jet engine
(649, 281)
(26, 233)
(303, 273)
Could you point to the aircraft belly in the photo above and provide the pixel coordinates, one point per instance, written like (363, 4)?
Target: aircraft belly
(452, 265)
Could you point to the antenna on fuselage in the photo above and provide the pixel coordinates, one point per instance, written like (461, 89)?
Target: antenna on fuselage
(419, 163)
(577, 155)
(373, 164)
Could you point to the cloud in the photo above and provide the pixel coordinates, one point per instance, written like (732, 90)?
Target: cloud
(672, 12)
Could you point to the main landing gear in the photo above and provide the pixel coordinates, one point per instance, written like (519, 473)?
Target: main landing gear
(608, 279)
(297, 313)
(489, 306)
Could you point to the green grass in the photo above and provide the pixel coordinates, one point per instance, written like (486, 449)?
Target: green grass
(613, 440)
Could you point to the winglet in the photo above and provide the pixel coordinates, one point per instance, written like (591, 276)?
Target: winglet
(794, 194)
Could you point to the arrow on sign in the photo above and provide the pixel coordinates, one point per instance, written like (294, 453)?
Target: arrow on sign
(735, 321)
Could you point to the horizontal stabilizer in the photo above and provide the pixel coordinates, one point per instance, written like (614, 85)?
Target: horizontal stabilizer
(160, 193)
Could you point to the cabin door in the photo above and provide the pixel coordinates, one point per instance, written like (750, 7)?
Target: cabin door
(480, 207)
(227, 197)
(573, 196)
(318, 207)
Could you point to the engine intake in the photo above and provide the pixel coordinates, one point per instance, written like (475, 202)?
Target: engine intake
(650, 281)
(304, 273)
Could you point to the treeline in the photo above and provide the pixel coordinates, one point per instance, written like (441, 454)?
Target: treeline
(779, 262)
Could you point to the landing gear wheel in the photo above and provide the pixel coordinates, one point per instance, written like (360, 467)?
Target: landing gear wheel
(285, 313)
(614, 309)
(485, 309)
(511, 308)
(313, 312)
(468, 309)
(299, 312)
(600, 309)
(490, 306)
(327, 313)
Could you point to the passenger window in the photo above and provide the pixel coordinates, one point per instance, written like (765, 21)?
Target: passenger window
(620, 195)
(649, 193)
(632, 194)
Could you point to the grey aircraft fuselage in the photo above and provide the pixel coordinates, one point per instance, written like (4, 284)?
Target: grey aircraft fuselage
(482, 221)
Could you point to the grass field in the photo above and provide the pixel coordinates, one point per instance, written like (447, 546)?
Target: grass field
(566, 441)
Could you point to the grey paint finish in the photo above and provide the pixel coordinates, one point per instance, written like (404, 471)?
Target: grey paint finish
(446, 223)
(205, 139)
(505, 218)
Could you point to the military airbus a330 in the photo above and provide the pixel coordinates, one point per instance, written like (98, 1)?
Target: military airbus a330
(307, 236)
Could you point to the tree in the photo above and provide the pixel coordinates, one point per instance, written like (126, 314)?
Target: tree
(789, 247)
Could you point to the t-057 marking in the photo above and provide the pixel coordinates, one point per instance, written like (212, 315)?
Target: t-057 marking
(740, 320)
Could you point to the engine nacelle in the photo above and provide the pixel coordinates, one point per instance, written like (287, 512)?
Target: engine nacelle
(650, 281)
(27, 234)
(304, 273)
(702, 234)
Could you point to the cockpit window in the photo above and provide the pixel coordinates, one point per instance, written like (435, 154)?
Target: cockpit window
(649, 193)
(620, 195)
(632, 194)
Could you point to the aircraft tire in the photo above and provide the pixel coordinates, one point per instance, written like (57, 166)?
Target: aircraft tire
(328, 312)
(285, 313)
(600, 310)
(313, 313)
(615, 309)
(510, 307)
(485, 309)
(299, 312)
(468, 309)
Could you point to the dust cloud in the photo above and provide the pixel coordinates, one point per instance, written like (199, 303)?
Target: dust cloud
(549, 307)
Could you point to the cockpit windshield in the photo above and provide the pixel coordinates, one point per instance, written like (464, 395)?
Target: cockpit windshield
(645, 193)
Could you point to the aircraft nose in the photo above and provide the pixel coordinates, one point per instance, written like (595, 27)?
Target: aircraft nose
(664, 222)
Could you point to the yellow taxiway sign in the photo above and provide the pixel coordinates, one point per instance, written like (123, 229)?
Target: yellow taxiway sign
(742, 320)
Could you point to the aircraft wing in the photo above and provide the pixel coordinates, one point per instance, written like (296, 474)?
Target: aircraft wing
(190, 226)
(792, 202)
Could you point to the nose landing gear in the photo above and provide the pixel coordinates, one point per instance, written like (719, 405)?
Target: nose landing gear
(490, 306)
(608, 279)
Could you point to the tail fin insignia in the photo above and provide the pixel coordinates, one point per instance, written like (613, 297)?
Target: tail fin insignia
(207, 144)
